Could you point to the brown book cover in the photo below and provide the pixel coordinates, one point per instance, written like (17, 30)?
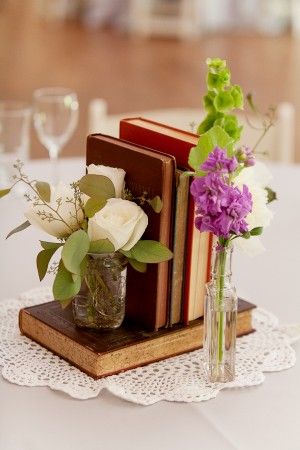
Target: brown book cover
(147, 293)
(105, 353)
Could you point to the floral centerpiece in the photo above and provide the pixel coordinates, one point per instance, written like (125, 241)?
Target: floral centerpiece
(98, 231)
(231, 202)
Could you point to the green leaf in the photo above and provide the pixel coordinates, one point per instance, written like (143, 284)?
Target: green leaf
(246, 235)
(137, 265)
(65, 303)
(256, 231)
(97, 186)
(44, 190)
(156, 204)
(74, 250)
(42, 261)
(151, 252)
(224, 101)
(21, 227)
(101, 246)
(271, 194)
(93, 205)
(215, 137)
(50, 245)
(64, 286)
(127, 253)
(4, 192)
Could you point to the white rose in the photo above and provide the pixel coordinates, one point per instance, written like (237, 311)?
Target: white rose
(256, 178)
(114, 174)
(121, 221)
(64, 221)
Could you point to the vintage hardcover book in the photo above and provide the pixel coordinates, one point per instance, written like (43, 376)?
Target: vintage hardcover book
(180, 228)
(109, 352)
(146, 171)
(198, 246)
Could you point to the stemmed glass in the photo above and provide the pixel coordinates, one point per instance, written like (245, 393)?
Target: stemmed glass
(55, 117)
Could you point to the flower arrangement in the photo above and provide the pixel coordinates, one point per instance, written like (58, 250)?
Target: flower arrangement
(230, 203)
(89, 216)
(231, 199)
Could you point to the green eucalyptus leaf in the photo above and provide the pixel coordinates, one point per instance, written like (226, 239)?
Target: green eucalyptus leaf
(137, 265)
(74, 250)
(97, 186)
(4, 192)
(127, 253)
(215, 137)
(256, 231)
(44, 190)
(65, 303)
(156, 204)
(42, 261)
(93, 205)
(148, 251)
(101, 246)
(21, 227)
(64, 286)
(51, 245)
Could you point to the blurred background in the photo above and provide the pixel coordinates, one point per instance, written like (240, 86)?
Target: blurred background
(140, 55)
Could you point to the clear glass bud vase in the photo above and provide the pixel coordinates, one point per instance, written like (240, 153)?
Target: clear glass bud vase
(100, 303)
(220, 319)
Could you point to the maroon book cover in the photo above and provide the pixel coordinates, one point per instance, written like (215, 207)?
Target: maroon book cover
(154, 173)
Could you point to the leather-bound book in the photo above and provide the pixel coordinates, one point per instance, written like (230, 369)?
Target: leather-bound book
(108, 352)
(146, 171)
(178, 143)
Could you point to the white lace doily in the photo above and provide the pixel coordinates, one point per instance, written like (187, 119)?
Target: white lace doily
(180, 378)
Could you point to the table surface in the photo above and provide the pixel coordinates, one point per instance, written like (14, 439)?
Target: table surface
(262, 417)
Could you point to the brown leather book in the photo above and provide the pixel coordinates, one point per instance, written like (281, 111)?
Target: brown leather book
(108, 352)
(147, 294)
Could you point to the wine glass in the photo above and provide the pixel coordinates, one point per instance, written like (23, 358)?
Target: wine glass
(14, 137)
(55, 118)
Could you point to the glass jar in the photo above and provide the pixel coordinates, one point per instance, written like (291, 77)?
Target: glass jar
(220, 315)
(100, 303)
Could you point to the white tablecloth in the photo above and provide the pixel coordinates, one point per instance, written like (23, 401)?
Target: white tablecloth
(261, 418)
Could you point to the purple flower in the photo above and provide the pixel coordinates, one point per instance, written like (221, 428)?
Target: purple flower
(246, 156)
(221, 208)
(218, 162)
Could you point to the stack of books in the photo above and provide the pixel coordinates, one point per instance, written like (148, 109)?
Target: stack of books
(164, 306)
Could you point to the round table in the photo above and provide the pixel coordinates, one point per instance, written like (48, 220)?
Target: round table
(263, 417)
